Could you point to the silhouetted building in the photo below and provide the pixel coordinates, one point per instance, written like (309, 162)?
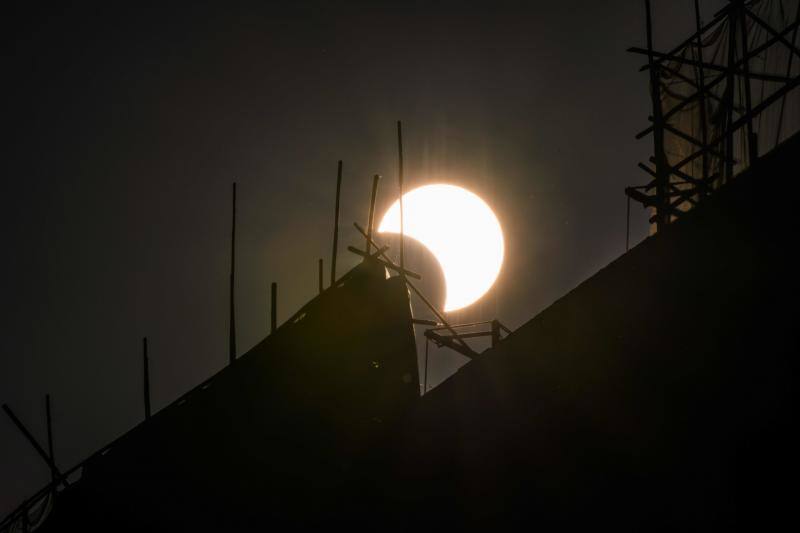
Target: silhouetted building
(658, 393)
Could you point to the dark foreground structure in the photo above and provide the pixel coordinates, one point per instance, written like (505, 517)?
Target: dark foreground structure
(658, 394)
(270, 440)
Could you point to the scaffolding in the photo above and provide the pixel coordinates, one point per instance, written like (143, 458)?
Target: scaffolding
(720, 100)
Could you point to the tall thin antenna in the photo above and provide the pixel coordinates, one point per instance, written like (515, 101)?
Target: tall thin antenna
(495, 333)
(628, 225)
(371, 218)
(336, 224)
(53, 474)
(400, 180)
(146, 371)
(320, 276)
(232, 325)
(273, 317)
(425, 382)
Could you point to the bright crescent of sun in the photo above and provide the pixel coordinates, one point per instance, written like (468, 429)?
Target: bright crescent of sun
(460, 230)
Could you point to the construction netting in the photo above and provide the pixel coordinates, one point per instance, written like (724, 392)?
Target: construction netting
(744, 60)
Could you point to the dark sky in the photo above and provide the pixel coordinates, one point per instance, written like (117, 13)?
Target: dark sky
(126, 126)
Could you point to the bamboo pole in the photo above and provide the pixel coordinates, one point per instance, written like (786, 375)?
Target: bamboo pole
(50, 435)
(32, 440)
(273, 318)
(232, 323)
(628, 225)
(336, 224)
(400, 183)
(320, 275)
(425, 382)
(146, 371)
(371, 218)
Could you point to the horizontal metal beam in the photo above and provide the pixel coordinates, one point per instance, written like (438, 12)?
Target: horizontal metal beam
(645, 200)
(449, 341)
(467, 325)
(473, 335)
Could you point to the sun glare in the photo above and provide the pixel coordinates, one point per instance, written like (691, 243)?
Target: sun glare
(460, 230)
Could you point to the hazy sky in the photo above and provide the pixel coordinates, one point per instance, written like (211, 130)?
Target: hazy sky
(125, 128)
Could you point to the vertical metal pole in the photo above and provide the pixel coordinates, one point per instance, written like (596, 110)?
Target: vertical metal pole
(662, 176)
(752, 143)
(495, 333)
(628, 225)
(701, 84)
(336, 224)
(320, 276)
(425, 385)
(273, 320)
(371, 218)
(146, 369)
(400, 182)
(232, 324)
(50, 435)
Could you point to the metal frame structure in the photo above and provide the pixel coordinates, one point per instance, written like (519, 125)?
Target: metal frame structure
(448, 340)
(725, 100)
(433, 335)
